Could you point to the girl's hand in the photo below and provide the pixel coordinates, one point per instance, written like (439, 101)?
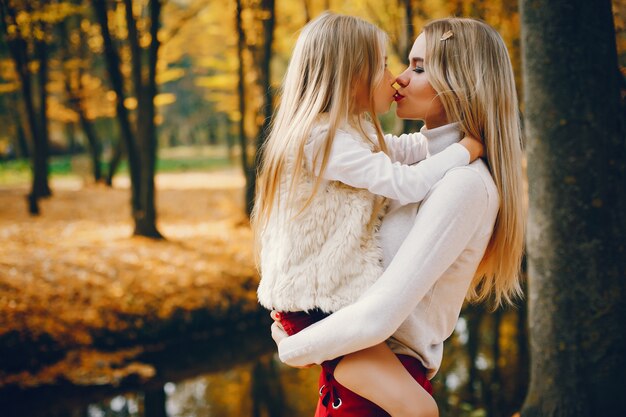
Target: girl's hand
(279, 334)
(474, 146)
(275, 316)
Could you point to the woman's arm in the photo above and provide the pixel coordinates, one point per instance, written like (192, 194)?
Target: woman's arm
(445, 224)
(354, 164)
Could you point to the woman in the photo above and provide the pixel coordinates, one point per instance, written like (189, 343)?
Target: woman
(466, 238)
(317, 222)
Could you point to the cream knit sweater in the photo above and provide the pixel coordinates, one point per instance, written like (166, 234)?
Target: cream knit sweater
(431, 253)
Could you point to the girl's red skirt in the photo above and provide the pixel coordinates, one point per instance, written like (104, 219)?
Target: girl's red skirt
(335, 400)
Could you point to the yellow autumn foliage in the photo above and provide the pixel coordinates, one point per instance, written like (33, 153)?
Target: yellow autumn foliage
(74, 273)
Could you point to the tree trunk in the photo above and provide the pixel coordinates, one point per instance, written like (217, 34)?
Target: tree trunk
(75, 99)
(94, 146)
(457, 7)
(577, 215)
(268, 98)
(114, 163)
(230, 140)
(18, 49)
(409, 28)
(473, 316)
(241, 91)
(41, 188)
(494, 394)
(20, 141)
(211, 131)
(140, 143)
(145, 217)
(523, 357)
(37, 154)
(22, 144)
(70, 134)
(115, 75)
(409, 126)
(307, 10)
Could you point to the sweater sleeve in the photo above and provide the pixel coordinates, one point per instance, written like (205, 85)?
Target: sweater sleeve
(407, 148)
(353, 163)
(446, 222)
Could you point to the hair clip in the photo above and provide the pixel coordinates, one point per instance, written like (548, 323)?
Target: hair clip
(446, 35)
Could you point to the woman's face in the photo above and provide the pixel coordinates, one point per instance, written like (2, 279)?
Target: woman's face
(416, 98)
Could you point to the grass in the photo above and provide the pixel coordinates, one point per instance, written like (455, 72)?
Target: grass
(180, 159)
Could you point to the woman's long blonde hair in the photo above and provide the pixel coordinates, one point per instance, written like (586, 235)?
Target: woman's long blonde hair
(473, 76)
(332, 55)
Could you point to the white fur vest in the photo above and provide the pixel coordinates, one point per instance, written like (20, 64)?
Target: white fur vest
(326, 256)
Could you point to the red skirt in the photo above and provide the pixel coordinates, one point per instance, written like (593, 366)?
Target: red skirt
(335, 400)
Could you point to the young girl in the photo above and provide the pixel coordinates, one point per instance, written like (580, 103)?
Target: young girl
(316, 215)
(465, 239)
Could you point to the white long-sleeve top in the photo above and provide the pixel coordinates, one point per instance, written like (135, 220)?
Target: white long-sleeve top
(352, 162)
(418, 299)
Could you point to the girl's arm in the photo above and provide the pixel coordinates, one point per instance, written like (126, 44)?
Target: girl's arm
(354, 164)
(407, 148)
(444, 225)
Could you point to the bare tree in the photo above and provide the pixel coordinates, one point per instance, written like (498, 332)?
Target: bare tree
(24, 49)
(139, 138)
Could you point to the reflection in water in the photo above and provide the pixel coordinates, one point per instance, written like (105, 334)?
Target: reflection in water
(265, 388)
(154, 402)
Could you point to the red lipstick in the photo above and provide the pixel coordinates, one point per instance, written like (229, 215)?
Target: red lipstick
(397, 97)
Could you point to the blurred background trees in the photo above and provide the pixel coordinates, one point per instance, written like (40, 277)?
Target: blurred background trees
(97, 78)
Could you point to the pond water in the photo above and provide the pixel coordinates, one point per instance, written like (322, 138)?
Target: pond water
(239, 376)
(261, 388)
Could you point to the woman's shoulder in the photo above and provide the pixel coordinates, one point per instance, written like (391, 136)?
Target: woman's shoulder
(473, 175)
(474, 181)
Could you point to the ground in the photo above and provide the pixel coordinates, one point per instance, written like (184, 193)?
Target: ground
(80, 297)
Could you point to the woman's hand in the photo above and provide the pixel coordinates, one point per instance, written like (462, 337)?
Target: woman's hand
(279, 334)
(474, 146)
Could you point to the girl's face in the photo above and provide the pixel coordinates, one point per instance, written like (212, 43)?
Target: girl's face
(383, 94)
(416, 98)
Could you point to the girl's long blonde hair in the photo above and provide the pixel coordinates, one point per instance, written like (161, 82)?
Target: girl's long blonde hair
(333, 54)
(473, 76)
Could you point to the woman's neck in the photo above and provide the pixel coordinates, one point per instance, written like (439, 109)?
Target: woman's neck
(433, 122)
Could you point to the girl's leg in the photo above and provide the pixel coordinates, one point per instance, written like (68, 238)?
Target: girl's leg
(377, 374)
